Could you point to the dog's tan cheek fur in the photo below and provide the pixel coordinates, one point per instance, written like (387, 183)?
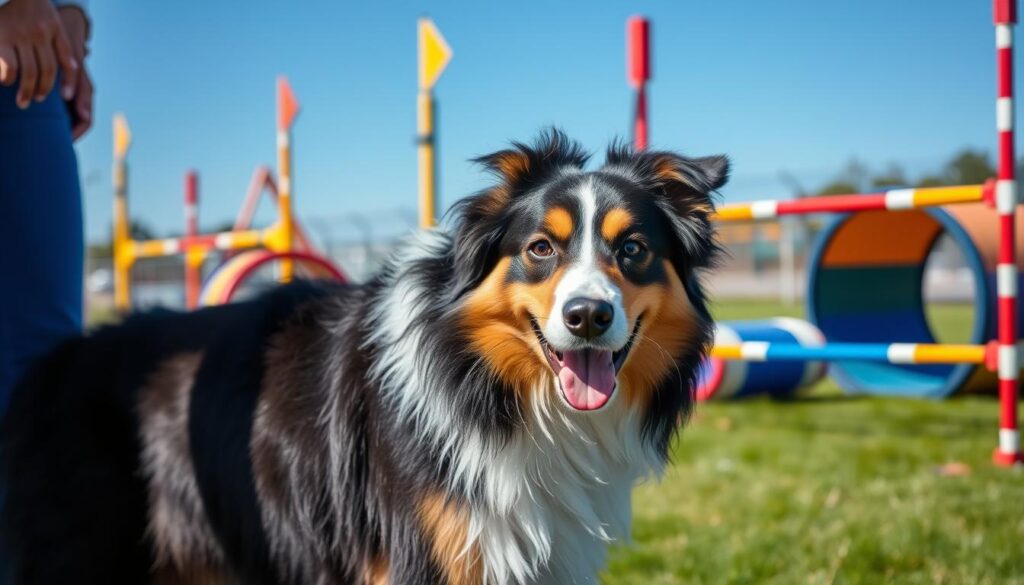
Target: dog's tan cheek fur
(669, 326)
(446, 528)
(497, 318)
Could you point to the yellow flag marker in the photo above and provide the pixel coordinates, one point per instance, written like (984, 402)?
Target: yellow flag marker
(434, 53)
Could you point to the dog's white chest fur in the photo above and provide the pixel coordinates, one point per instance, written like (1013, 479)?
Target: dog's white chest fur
(558, 495)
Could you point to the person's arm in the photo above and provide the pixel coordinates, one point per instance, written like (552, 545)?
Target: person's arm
(33, 45)
(76, 26)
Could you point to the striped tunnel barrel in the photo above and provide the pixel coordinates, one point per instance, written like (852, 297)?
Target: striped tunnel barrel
(723, 379)
(866, 286)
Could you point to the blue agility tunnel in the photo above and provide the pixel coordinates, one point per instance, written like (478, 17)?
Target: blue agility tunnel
(727, 379)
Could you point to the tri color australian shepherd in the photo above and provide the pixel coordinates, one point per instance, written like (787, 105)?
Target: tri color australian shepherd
(476, 413)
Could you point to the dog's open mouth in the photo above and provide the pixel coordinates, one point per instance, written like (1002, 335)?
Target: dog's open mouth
(586, 376)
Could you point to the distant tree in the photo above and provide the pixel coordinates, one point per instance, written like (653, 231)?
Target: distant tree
(139, 231)
(969, 167)
(931, 181)
(224, 226)
(851, 179)
(855, 173)
(838, 187)
(99, 250)
(892, 176)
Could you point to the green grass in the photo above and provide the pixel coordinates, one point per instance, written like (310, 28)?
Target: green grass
(829, 489)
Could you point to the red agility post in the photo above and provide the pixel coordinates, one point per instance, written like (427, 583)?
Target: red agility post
(638, 72)
(1008, 452)
(192, 264)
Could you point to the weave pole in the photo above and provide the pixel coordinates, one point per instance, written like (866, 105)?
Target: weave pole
(1008, 452)
(638, 73)
(123, 249)
(193, 259)
(287, 109)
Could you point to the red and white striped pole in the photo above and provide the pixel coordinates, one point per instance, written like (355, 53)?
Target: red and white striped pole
(638, 72)
(191, 203)
(192, 262)
(1008, 453)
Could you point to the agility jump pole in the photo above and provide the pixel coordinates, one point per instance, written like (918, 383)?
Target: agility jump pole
(638, 73)
(892, 200)
(287, 109)
(123, 257)
(193, 257)
(893, 353)
(1008, 452)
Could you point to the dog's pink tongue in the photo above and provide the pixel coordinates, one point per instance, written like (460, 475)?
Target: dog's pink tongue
(587, 377)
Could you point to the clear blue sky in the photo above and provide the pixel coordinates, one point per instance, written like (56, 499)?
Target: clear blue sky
(799, 85)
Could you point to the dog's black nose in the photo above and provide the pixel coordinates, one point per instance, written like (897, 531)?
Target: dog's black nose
(587, 318)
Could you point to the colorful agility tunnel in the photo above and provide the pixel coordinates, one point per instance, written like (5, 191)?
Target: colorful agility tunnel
(726, 379)
(866, 278)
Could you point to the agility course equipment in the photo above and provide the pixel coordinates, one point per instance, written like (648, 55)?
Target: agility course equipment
(866, 278)
(283, 240)
(724, 378)
(638, 73)
(241, 264)
(434, 55)
(223, 284)
(863, 288)
(892, 200)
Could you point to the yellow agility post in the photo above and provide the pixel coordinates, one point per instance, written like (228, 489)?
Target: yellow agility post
(434, 54)
(287, 109)
(123, 253)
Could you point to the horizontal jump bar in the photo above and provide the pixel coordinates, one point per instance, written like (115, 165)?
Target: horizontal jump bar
(206, 242)
(891, 200)
(894, 353)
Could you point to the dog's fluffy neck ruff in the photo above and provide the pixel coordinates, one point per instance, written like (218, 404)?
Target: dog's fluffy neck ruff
(548, 491)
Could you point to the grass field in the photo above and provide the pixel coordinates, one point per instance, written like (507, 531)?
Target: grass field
(830, 489)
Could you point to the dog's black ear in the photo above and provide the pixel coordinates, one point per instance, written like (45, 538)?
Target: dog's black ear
(482, 219)
(525, 165)
(684, 188)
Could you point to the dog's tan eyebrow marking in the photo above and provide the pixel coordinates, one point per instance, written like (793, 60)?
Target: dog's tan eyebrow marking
(615, 222)
(558, 221)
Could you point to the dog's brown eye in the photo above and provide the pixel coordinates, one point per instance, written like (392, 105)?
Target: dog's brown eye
(541, 249)
(633, 248)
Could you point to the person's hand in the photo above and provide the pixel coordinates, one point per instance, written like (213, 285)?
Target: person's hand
(33, 44)
(76, 26)
(80, 107)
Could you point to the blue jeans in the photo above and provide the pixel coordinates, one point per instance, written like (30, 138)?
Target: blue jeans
(41, 241)
(41, 247)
